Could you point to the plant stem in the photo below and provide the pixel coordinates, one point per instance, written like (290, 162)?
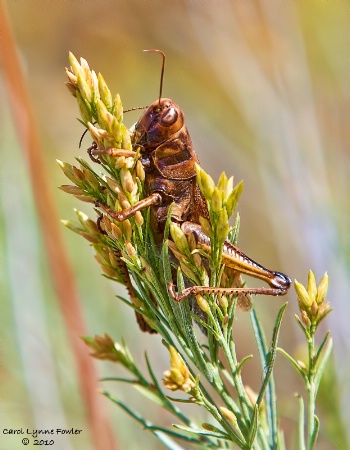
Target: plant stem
(311, 390)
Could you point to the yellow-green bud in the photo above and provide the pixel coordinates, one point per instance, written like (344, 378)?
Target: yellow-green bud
(67, 170)
(72, 80)
(223, 226)
(118, 108)
(116, 232)
(311, 285)
(104, 91)
(139, 218)
(216, 200)
(228, 188)
(113, 185)
(127, 181)
(69, 189)
(84, 88)
(76, 68)
(229, 415)
(314, 309)
(205, 182)
(102, 113)
(305, 318)
(179, 237)
(322, 289)
(222, 183)
(223, 302)
(126, 143)
(140, 172)
(303, 295)
(233, 197)
(205, 225)
(130, 250)
(301, 364)
(127, 229)
(202, 303)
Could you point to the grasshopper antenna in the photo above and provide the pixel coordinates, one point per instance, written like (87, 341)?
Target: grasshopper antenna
(134, 109)
(162, 72)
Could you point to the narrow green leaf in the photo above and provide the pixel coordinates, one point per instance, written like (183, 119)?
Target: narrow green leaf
(202, 432)
(244, 360)
(271, 355)
(321, 347)
(293, 362)
(131, 412)
(322, 362)
(123, 380)
(151, 395)
(268, 384)
(301, 424)
(165, 431)
(302, 326)
(167, 441)
(253, 426)
(315, 432)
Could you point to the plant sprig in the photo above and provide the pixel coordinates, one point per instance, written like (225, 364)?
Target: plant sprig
(128, 254)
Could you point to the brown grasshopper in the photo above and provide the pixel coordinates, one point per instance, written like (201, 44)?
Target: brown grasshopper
(168, 158)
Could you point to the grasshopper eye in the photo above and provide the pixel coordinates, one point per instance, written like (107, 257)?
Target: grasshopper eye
(169, 117)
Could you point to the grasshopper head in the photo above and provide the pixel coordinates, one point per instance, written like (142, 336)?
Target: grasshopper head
(159, 122)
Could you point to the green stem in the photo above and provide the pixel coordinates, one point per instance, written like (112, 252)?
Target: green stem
(311, 391)
(232, 362)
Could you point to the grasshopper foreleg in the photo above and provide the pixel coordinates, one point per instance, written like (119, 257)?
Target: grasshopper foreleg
(154, 199)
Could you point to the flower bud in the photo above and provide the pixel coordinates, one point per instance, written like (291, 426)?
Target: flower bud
(314, 309)
(223, 226)
(72, 79)
(179, 237)
(113, 185)
(229, 415)
(67, 170)
(205, 225)
(105, 93)
(222, 183)
(301, 364)
(223, 302)
(233, 198)
(118, 108)
(116, 232)
(127, 180)
(130, 250)
(216, 200)
(202, 303)
(79, 176)
(140, 172)
(305, 318)
(178, 377)
(127, 229)
(322, 289)
(69, 189)
(84, 88)
(205, 182)
(76, 68)
(139, 218)
(305, 300)
(311, 285)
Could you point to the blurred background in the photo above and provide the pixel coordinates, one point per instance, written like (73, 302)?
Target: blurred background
(264, 88)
